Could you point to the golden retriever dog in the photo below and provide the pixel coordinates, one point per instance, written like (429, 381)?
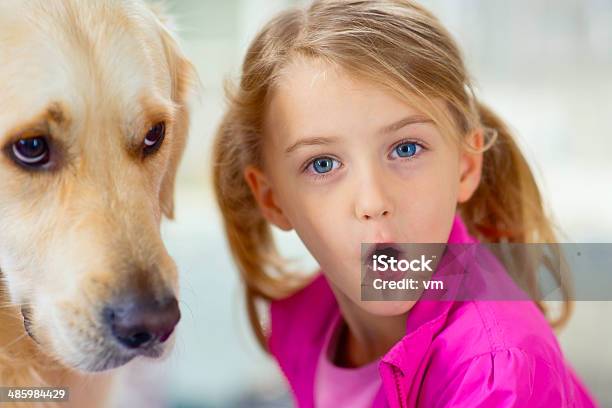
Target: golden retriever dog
(93, 123)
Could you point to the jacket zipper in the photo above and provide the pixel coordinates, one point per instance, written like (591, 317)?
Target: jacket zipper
(396, 376)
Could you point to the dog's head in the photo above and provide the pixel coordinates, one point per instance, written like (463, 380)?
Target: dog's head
(93, 121)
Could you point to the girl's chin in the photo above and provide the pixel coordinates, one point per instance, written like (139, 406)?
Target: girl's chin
(387, 308)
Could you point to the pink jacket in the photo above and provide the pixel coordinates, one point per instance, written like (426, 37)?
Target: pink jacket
(454, 354)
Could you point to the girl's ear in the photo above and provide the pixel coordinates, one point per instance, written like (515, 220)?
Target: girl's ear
(261, 188)
(470, 166)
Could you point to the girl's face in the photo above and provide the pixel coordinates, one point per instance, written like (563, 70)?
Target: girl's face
(347, 162)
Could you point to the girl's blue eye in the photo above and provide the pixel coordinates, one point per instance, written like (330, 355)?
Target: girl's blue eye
(323, 164)
(407, 149)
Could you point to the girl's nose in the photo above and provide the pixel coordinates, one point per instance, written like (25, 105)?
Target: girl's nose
(374, 214)
(372, 201)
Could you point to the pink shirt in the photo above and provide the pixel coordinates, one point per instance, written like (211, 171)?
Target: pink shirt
(454, 354)
(339, 386)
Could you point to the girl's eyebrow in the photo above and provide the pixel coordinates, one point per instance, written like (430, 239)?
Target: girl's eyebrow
(311, 141)
(318, 140)
(409, 120)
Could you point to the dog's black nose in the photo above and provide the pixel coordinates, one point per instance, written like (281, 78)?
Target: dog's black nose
(140, 324)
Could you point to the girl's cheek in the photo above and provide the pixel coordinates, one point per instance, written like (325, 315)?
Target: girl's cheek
(409, 170)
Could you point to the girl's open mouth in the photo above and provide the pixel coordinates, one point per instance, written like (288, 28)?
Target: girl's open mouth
(382, 251)
(387, 248)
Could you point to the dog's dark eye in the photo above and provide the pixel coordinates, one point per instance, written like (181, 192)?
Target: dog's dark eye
(31, 152)
(154, 137)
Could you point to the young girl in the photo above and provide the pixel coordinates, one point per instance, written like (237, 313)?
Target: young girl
(355, 122)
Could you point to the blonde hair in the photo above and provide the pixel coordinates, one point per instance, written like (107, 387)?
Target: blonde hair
(404, 48)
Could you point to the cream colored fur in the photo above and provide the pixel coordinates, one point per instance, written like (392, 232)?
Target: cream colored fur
(95, 75)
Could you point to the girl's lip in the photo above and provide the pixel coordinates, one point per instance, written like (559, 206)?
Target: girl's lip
(379, 246)
(371, 274)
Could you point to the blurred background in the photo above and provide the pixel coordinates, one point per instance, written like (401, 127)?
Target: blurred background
(545, 66)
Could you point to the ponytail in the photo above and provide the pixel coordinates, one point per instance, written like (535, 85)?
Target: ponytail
(507, 208)
(249, 234)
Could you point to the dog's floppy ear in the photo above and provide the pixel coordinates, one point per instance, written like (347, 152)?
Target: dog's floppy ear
(184, 78)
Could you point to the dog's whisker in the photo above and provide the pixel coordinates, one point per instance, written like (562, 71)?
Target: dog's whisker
(7, 307)
(6, 302)
(5, 347)
(14, 318)
(190, 287)
(182, 302)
